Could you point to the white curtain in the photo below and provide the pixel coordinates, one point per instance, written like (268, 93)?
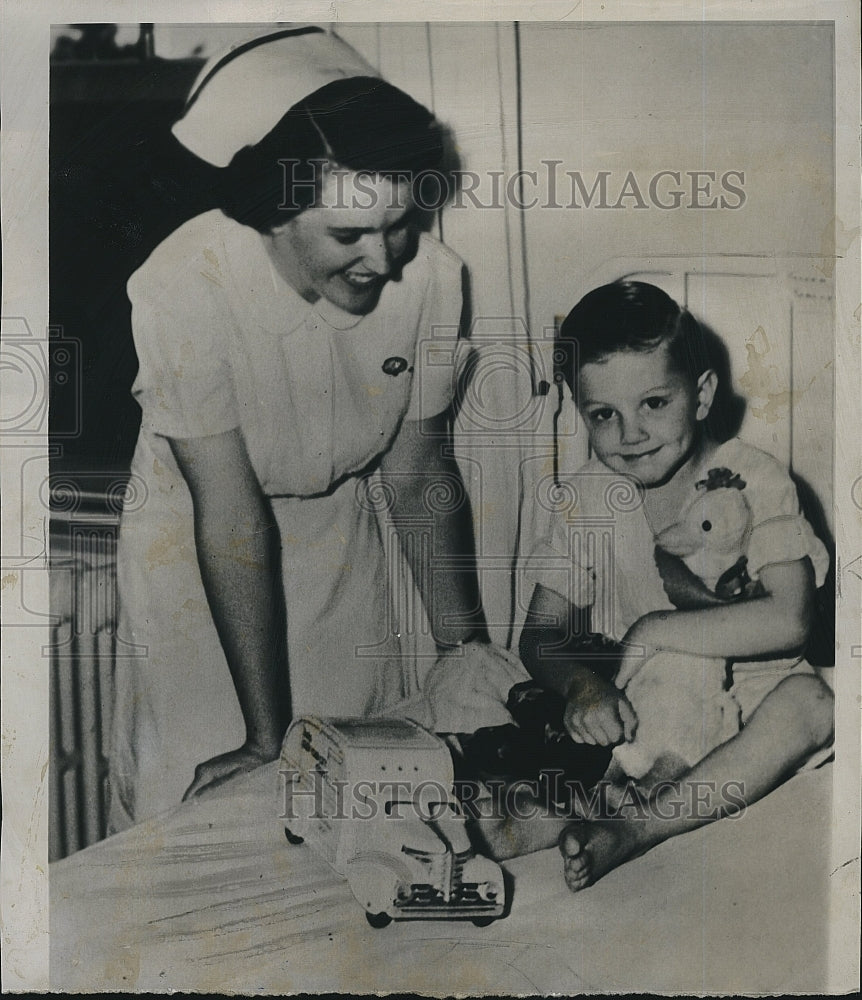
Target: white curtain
(467, 75)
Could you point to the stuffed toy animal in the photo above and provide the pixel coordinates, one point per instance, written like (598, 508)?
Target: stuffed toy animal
(681, 701)
(702, 558)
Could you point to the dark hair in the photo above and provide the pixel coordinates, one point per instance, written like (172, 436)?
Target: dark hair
(629, 316)
(360, 123)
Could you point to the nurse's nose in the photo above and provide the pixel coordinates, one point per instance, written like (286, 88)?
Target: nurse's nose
(377, 256)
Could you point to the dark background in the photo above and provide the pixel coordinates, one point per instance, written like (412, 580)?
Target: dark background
(119, 184)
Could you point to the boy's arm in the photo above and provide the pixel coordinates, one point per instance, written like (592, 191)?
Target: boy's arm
(549, 633)
(596, 711)
(772, 625)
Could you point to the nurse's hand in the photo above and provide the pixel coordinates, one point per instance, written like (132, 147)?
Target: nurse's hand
(467, 687)
(213, 773)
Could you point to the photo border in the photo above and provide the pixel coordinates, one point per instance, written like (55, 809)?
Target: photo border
(23, 201)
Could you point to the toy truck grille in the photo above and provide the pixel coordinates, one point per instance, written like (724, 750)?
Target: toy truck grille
(428, 900)
(448, 890)
(350, 800)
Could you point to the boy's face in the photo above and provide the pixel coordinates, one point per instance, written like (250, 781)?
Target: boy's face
(642, 414)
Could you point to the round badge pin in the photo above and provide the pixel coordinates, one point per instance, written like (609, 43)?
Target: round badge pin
(394, 366)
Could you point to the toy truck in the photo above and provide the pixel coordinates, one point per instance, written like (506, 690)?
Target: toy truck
(374, 798)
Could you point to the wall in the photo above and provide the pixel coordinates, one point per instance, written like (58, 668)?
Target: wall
(642, 98)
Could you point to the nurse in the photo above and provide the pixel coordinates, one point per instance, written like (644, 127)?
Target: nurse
(290, 344)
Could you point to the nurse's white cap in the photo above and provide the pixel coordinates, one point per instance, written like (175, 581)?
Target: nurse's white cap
(243, 92)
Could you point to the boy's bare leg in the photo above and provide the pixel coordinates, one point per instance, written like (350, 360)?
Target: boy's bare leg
(793, 721)
(516, 823)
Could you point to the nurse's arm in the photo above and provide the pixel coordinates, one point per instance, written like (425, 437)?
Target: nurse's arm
(423, 475)
(237, 544)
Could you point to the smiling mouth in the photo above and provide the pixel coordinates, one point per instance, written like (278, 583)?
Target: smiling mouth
(362, 281)
(640, 455)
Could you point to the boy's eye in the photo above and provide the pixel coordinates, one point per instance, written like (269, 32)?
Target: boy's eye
(601, 415)
(655, 402)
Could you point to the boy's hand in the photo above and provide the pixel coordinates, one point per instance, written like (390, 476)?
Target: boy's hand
(599, 713)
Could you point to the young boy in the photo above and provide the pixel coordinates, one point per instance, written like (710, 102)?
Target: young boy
(644, 391)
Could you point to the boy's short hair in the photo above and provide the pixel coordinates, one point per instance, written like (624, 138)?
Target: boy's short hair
(629, 316)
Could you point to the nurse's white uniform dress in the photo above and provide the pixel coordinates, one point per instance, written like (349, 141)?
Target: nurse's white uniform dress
(223, 342)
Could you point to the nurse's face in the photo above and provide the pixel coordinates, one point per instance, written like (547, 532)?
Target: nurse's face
(345, 249)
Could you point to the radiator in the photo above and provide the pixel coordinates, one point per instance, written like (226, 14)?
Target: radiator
(81, 652)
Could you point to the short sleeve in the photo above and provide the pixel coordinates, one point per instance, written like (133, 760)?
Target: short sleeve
(552, 563)
(441, 350)
(780, 532)
(181, 332)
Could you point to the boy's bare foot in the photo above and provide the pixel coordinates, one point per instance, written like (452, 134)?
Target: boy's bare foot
(516, 822)
(592, 849)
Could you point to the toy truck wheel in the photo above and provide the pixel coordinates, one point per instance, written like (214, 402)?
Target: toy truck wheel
(483, 921)
(378, 920)
(292, 837)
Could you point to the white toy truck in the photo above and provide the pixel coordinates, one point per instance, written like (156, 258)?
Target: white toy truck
(374, 798)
